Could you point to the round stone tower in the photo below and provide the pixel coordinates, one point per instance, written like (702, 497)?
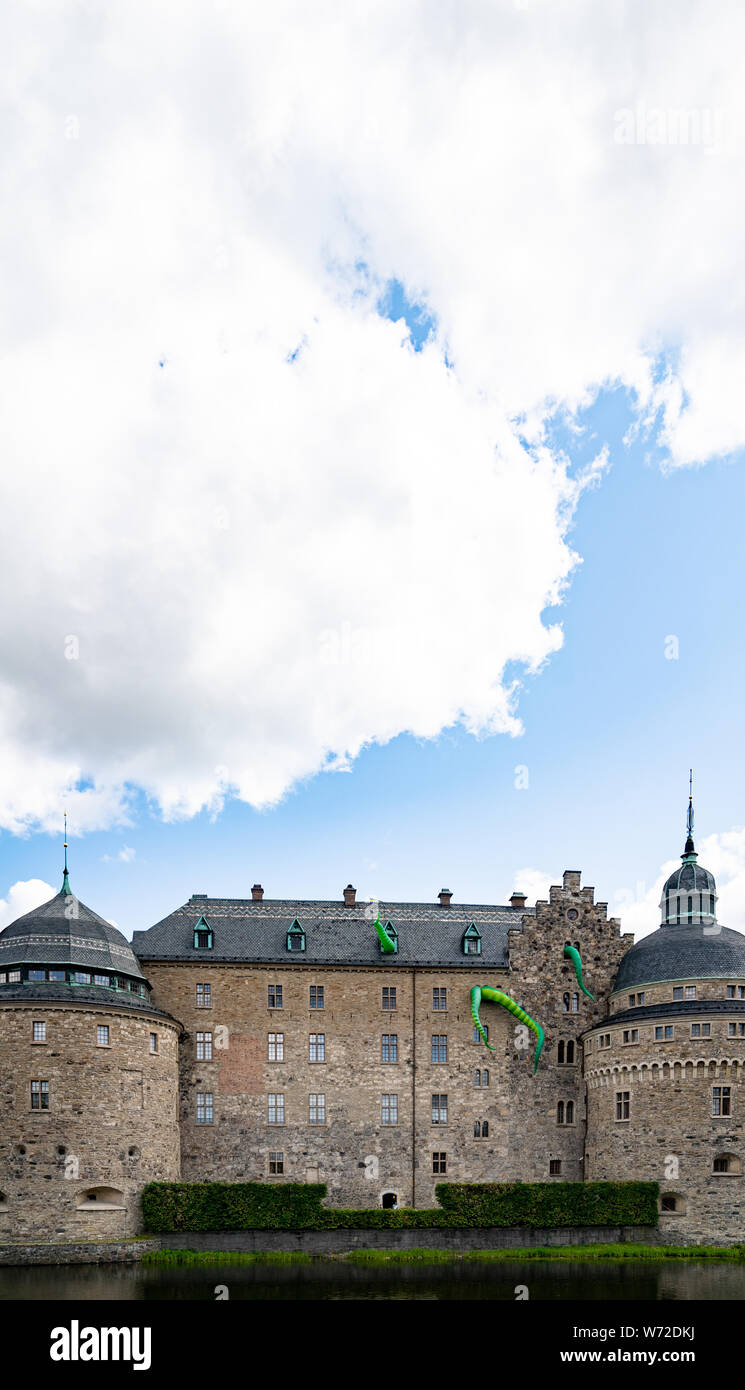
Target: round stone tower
(88, 1078)
(664, 1069)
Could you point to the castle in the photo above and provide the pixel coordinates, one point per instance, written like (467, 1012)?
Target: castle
(256, 1039)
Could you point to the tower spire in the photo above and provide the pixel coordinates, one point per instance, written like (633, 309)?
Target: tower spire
(689, 846)
(65, 879)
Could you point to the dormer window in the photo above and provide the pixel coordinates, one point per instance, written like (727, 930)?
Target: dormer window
(203, 935)
(296, 937)
(472, 941)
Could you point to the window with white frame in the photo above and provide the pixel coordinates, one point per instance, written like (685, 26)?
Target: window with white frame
(316, 1110)
(275, 1109)
(275, 1049)
(204, 1047)
(39, 1033)
(439, 1109)
(205, 1109)
(102, 1035)
(389, 1047)
(389, 1109)
(317, 1047)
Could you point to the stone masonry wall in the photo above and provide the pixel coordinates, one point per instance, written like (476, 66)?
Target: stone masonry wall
(671, 1135)
(112, 1120)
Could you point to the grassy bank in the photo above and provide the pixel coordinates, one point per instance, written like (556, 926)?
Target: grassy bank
(580, 1253)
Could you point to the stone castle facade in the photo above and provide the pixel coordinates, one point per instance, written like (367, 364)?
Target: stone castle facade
(266, 1040)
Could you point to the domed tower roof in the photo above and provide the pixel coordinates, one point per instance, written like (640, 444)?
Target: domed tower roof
(690, 943)
(63, 931)
(64, 953)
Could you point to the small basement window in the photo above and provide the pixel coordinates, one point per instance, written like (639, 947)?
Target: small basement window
(101, 1199)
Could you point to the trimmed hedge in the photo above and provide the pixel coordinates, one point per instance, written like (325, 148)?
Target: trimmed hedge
(259, 1206)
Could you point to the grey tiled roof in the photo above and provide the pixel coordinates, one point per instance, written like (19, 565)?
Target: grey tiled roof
(690, 878)
(249, 931)
(64, 931)
(44, 992)
(683, 953)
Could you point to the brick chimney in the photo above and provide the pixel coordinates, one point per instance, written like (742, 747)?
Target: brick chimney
(518, 900)
(257, 893)
(444, 895)
(350, 894)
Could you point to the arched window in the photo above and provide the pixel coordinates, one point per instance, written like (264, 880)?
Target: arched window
(389, 1201)
(560, 1113)
(485, 1076)
(484, 1129)
(570, 1112)
(477, 1129)
(477, 1077)
(570, 1053)
(560, 1054)
(690, 907)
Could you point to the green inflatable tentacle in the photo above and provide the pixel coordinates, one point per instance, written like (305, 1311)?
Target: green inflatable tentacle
(385, 941)
(497, 996)
(572, 954)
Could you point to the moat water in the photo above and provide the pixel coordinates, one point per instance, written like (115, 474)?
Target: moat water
(329, 1279)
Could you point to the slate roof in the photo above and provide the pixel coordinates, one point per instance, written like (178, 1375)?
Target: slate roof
(729, 1007)
(64, 931)
(683, 953)
(244, 930)
(45, 992)
(690, 877)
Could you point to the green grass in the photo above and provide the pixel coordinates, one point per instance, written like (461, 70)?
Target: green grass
(732, 1253)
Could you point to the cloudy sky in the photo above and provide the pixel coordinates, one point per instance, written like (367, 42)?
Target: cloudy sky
(371, 440)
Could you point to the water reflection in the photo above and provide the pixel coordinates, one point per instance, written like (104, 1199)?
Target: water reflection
(330, 1279)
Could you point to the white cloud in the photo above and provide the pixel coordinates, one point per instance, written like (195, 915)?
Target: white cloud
(534, 884)
(723, 853)
(125, 855)
(235, 569)
(23, 897)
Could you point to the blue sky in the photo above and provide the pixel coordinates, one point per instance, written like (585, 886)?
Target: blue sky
(309, 404)
(611, 727)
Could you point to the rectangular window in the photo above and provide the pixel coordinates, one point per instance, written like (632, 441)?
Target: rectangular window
(81, 977)
(316, 997)
(439, 1110)
(276, 1163)
(439, 1163)
(204, 996)
(554, 1167)
(101, 980)
(275, 1111)
(477, 1035)
(37, 975)
(205, 1111)
(678, 992)
(317, 1110)
(389, 1047)
(14, 977)
(153, 1042)
(275, 1047)
(317, 1047)
(40, 1032)
(439, 999)
(736, 1030)
(663, 1033)
(604, 1040)
(389, 996)
(622, 1105)
(640, 998)
(102, 1035)
(631, 1035)
(721, 1097)
(731, 992)
(690, 991)
(39, 1095)
(389, 1110)
(439, 1047)
(632, 1001)
(204, 1047)
(274, 996)
(59, 976)
(700, 1030)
